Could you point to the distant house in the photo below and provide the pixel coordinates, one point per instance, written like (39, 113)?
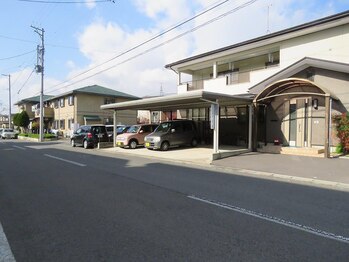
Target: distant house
(82, 106)
(3, 121)
(31, 106)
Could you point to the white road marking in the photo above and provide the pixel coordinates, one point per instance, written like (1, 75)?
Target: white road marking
(65, 160)
(19, 147)
(5, 250)
(275, 220)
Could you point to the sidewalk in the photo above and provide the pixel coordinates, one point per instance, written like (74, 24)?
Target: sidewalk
(331, 172)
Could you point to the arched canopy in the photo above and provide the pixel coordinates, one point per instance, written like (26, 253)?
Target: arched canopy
(292, 87)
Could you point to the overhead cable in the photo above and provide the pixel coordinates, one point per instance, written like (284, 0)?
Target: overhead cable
(161, 44)
(145, 42)
(67, 2)
(11, 57)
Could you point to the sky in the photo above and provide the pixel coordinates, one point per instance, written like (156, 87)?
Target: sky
(101, 42)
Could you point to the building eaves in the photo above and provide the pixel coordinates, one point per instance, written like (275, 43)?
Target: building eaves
(312, 24)
(297, 67)
(96, 90)
(34, 99)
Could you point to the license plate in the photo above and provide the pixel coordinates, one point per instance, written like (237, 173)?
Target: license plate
(119, 143)
(147, 144)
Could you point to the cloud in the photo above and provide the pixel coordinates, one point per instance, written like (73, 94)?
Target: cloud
(90, 4)
(143, 75)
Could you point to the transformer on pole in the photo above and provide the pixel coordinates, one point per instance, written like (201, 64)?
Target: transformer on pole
(39, 68)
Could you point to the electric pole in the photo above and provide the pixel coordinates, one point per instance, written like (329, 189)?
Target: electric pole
(9, 100)
(40, 69)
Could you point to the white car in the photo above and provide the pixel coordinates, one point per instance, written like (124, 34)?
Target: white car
(8, 133)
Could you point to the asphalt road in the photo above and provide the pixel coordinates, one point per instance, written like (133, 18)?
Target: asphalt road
(80, 205)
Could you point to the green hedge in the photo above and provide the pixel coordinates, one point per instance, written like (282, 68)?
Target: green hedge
(37, 135)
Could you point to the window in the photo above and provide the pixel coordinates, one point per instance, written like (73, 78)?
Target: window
(56, 104)
(55, 124)
(70, 123)
(71, 100)
(109, 101)
(62, 124)
(61, 102)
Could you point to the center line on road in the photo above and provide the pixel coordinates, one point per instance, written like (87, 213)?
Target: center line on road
(19, 147)
(65, 160)
(275, 220)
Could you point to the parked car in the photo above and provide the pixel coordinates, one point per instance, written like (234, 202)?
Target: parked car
(8, 133)
(134, 136)
(120, 129)
(172, 134)
(89, 136)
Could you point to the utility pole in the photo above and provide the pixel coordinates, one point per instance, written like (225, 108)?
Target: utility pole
(9, 100)
(40, 69)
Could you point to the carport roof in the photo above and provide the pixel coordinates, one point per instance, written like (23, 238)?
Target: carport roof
(191, 99)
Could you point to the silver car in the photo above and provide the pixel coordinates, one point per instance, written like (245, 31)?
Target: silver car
(172, 134)
(8, 133)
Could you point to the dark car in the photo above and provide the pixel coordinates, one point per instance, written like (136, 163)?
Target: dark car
(89, 136)
(120, 129)
(172, 134)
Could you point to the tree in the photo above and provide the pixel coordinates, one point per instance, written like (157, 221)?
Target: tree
(21, 119)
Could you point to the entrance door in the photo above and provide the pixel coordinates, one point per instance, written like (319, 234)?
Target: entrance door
(299, 127)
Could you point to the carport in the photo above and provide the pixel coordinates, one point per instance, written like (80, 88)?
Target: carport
(193, 99)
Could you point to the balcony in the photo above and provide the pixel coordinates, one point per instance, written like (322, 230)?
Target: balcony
(230, 82)
(48, 112)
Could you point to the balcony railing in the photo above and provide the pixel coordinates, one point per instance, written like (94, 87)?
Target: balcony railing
(48, 112)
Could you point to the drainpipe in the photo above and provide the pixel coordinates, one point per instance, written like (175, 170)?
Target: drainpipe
(330, 127)
(114, 133)
(250, 118)
(215, 119)
(327, 125)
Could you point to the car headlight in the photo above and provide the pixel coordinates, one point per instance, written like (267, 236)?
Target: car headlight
(120, 138)
(156, 139)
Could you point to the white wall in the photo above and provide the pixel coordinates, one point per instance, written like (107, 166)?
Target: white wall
(331, 44)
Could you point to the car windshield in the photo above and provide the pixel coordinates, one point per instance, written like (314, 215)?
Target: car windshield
(133, 129)
(120, 129)
(8, 130)
(163, 127)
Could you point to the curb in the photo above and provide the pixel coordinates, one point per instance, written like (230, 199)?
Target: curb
(293, 179)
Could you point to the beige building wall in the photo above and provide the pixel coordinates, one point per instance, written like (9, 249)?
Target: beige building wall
(89, 105)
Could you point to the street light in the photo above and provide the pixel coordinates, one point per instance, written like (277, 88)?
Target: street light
(9, 100)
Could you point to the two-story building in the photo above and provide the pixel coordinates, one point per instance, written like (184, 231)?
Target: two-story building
(82, 107)
(31, 106)
(281, 88)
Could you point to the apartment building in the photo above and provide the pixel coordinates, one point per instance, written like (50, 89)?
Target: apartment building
(82, 107)
(280, 88)
(31, 106)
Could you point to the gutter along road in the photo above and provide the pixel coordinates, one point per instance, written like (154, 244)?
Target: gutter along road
(70, 204)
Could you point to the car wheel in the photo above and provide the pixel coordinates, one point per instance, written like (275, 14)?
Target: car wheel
(194, 142)
(133, 144)
(73, 143)
(85, 144)
(165, 146)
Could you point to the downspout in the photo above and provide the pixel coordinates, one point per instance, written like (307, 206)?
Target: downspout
(216, 124)
(114, 128)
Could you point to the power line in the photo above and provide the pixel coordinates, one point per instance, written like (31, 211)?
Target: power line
(26, 81)
(145, 42)
(11, 57)
(66, 2)
(161, 44)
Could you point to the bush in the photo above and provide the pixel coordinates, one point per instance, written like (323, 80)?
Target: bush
(342, 122)
(37, 135)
